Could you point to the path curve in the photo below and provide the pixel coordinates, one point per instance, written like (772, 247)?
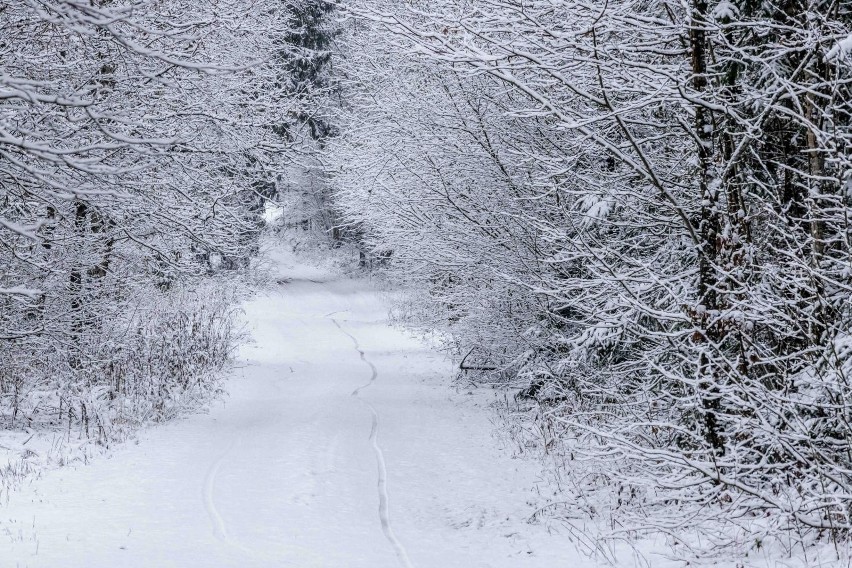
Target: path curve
(287, 469)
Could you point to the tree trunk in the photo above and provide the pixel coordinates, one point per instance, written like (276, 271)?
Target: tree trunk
(710, 233)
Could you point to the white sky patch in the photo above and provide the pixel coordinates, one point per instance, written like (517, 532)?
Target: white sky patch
(272, 212)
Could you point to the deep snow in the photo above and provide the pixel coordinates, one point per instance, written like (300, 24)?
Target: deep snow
(340, 444)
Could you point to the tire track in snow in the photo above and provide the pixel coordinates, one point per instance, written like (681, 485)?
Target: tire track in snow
(384, 515)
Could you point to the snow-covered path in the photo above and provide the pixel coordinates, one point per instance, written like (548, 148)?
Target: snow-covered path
(340, 445)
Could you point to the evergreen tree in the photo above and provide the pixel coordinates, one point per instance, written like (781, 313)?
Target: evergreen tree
(306, 54)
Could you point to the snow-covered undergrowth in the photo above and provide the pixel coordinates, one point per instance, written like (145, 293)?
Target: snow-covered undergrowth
(608, 504)
(149, 364)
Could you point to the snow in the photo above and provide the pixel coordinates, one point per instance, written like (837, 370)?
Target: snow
(725, 11)
(340, 444)
(840, 50)
(21, 291)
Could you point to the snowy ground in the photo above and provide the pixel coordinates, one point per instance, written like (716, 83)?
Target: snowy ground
(340, 444)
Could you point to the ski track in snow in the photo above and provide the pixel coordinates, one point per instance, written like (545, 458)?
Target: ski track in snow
(384, 509)
(220, 530)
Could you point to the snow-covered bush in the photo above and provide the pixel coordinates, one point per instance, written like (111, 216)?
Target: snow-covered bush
(159, 357)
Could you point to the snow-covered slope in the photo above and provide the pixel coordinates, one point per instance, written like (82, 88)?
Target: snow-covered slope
(340, 445)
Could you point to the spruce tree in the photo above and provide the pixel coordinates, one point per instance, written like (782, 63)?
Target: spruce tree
(307, 57)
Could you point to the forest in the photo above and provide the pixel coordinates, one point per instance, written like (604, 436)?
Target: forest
(631, 218)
